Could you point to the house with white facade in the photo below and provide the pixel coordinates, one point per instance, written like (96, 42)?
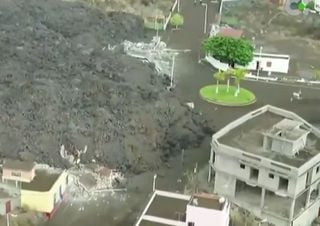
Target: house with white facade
(266, 62)
(268, 162)
(172, 209)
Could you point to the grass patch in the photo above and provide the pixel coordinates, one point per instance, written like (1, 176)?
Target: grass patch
(223, 97)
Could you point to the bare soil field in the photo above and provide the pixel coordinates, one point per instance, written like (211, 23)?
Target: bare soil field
(278, 32)
(59, 84)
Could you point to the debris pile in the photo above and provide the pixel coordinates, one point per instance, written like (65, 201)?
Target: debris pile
(94, 179)
(154, 52)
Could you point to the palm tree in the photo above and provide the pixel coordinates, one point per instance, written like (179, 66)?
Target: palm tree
(239, 74)
(220, 77)
(228, 75)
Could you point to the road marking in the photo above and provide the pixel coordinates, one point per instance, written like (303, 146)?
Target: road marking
(288, 85)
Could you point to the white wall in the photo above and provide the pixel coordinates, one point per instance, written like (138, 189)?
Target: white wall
(206, 217)
(301, 183)
(308, 216)
(271, 184)
(277, 65)
(231, 166)
(315, 176)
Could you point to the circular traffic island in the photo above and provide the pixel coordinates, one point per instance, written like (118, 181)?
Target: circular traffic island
(222, 96)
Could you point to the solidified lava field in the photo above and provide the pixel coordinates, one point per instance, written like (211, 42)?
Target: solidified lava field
(60, 85)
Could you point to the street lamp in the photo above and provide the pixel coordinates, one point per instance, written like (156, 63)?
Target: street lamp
(178, 6)
(172, 70)
(154, 182)
(205, 17)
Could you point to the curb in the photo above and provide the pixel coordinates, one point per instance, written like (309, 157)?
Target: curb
(227, 105)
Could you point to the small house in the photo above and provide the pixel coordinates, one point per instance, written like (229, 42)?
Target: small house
(172, 209)
(18, 171)
(45, 192)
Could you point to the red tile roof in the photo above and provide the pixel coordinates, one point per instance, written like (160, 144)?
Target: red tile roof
(230, 32)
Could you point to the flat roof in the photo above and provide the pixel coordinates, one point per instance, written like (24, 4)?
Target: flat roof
(43, 181)
(18, 165)
(248, 137)
(230, 32)
(151, 223)
(167, 207)
(208, 201)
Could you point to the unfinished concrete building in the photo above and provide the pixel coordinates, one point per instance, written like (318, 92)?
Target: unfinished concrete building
(268, 162)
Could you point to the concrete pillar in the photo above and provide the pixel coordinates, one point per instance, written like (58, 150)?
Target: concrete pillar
(210, 172)
(263, 194)
(292, 209)
(210, 164)
(308, 198)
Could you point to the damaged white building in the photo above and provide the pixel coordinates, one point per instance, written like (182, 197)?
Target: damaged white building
(268, 162)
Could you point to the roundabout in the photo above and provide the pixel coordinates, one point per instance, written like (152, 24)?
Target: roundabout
(220, 95)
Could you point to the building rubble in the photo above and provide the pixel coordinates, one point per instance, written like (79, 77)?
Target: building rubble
(155, 52)
(93, 179)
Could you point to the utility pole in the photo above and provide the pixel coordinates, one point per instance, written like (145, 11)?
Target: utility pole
(178, 5)
(195, 172)
(156, 25)
(220, 12)
(172, 71)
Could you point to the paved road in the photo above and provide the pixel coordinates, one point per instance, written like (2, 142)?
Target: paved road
(191, 75)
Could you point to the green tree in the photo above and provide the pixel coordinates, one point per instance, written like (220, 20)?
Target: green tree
(177, 20)
(220, 77)
(239, 74)
(229, 50)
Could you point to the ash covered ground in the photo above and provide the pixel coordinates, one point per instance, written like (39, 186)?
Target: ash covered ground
(59, 85)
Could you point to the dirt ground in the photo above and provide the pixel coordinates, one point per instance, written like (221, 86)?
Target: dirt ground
(278, 32)
(60, 85)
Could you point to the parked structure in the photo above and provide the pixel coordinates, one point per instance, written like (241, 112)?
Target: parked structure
(268, 162)
(172, 209)
(45, 192)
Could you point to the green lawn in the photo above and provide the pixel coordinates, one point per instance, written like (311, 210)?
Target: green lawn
(223, 97)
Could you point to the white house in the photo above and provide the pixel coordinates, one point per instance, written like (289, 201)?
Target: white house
(267, 62)
(264, 62)
(172, 209)
(270, 62)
